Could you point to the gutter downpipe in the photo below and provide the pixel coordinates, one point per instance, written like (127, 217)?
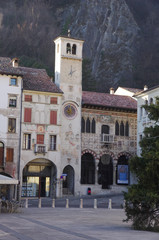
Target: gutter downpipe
(19, 160)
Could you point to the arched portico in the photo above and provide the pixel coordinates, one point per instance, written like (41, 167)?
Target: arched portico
(39, 178)
(122, 171)
(105, 171)
(68, 180)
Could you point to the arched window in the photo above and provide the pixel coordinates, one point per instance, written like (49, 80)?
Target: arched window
(127, 129)
(83, 125)
(151, 100)
(93, 126)
(88, 126)
(87, 169)
(121, 128)
(105, 129)
(74, 49)
(1, 154)
(68, 49)
(117, 128)
(146, 102)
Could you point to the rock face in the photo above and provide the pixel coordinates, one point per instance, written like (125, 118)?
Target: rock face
(121, 36)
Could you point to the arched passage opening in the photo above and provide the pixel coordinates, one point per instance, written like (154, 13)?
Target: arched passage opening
(68, 180)
(105, 171)
(39, 179)
(123, 170)
(87, 169)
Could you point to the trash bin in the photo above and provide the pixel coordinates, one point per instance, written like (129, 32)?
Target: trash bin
(89, 191)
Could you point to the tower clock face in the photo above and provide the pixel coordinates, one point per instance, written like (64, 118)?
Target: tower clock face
(70, 111)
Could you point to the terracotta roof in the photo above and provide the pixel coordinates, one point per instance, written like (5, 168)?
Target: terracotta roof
(108, 100)
(134, 90)
(33, 79)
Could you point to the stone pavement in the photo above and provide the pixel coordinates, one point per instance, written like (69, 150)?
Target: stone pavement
(72, 224)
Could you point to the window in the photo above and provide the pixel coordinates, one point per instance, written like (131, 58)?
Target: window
(53, 100)
(127, 129)
(27, 141)
(140, 137)
(117, 128)
(83, 125)
(121, 128)
(11, 125)
(27, 114)
(13, 81)
(28, 98)
(74, 49)
(10, 154)
(12, 102)
(88, 126)
(105, 129)
(151, 100)
(1, 154)
(141, 112)
(93, 126)
(53, 142)
(68, 49)
(53, 117)
(40, 139)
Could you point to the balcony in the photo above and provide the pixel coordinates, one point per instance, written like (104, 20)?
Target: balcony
(40, 148)
(107, 138)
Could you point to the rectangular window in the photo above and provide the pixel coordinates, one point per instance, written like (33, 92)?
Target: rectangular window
(27, 114)
(40, 139)
(27, 141)
(28, 98)
(11, 125)
(12, 102)
(13, 81)
(53, 100)
(10, 154)
(53, 117)
(53, 142)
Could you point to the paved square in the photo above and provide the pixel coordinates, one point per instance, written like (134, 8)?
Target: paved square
(72, 224)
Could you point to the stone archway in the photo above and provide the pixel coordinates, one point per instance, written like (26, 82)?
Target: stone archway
(39, 179)
(105, 171)
(87, 169)
(68, 180)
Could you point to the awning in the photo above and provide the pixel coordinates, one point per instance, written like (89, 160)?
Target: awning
(7, 180)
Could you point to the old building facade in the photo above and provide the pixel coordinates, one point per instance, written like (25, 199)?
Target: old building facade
(69, 140)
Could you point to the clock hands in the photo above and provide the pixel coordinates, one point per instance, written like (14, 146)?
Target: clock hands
(71, 71)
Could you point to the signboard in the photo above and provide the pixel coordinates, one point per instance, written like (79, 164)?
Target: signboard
(122, 174)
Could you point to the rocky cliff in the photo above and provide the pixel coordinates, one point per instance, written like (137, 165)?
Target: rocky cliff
(121, 37)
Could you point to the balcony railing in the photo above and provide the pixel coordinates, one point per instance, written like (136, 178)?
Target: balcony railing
(107, 138)
(40, 148)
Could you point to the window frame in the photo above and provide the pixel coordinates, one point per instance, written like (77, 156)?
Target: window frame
(53, 144)
(11, 122)
(27, 117)
(26, 141)
(10, 99)
(12, 83)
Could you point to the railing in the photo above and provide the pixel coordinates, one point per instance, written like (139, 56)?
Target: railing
(39, 148)
(107, 138)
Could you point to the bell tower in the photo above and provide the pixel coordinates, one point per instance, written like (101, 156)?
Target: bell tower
(68, 76)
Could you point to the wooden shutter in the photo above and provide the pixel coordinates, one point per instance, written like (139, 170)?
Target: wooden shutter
(10, 154)
(40, 139)
(27, 115)
(53, 117)
(53, 100)
(28, 98)
(1, 155)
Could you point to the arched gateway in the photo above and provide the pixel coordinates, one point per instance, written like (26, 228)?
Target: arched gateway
(39, 179)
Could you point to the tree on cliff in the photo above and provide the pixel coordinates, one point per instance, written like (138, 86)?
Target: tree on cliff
(142, 199)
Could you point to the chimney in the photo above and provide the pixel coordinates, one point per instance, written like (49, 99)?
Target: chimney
(145, 87)
(15, 62)
(111, 90)
(69, 33)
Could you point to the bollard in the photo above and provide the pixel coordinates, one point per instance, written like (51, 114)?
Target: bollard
(67, 203)
(26, 203)
(95, 203)
(39, 204)
(53, 203)
(110, 204)
(124, 204)
(81, 203)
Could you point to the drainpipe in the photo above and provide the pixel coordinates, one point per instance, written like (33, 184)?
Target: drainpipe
(20, 129)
